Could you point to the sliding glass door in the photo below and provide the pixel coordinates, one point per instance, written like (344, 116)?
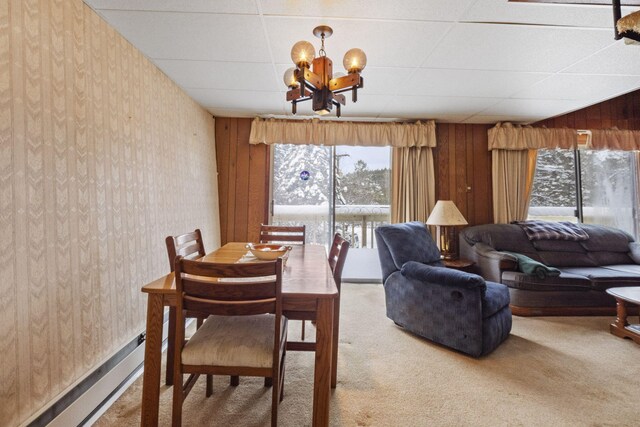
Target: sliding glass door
(302, 189)
(334, 189)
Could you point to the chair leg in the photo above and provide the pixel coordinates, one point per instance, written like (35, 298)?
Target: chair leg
(234, 380)
(209, 385)
(275, 401)
(302, 334)
(268, 381)
(199, 322)
(171, 339)
(176, 416)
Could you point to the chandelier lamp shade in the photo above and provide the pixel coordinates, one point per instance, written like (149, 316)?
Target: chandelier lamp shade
(313, 79)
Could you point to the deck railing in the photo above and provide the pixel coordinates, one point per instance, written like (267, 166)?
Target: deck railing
(355, 222)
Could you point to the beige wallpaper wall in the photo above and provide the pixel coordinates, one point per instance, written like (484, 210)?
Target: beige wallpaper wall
(101, 157)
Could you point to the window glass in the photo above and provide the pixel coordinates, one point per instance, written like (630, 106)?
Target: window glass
(608, 188)
(553, 197)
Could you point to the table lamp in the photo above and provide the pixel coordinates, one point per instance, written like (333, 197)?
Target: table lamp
(446, 216)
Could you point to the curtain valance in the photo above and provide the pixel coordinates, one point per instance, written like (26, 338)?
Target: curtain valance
(507, 136)
(324, 132)
(615, 139)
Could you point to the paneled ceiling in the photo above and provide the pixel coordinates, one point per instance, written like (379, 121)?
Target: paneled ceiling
(464, 61)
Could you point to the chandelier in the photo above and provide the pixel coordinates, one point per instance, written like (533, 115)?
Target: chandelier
(318, 83)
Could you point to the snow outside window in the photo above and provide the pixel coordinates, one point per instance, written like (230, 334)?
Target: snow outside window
(595, 187)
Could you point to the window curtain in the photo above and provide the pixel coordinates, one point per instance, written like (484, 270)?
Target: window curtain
(615, 139)
(412, 183)
(513, 172)
(412, 170)
(514, 152)
(325, 132)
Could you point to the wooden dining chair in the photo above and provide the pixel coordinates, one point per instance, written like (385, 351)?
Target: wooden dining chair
(188, 245)
(337, 258)
(245, 333)
(282, 234)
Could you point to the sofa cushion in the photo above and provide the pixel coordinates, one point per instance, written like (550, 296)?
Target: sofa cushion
(501, 237)
(609, 258)
(565, 282)
(559, 246)
(605, 239)
(602, 278)
(410, 241)
(566, 259)
(496, 297)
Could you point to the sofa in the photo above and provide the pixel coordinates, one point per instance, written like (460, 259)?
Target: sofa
(586, 267)
(456, 309)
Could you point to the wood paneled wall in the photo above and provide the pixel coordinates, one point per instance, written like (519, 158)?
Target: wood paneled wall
(463, 170)
(463, 174)
(244, 181)
(101, 157)
(622, 112)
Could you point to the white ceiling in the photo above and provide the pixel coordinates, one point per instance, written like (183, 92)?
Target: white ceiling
(463, 61)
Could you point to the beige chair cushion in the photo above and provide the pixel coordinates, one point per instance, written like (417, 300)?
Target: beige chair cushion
(233, 341)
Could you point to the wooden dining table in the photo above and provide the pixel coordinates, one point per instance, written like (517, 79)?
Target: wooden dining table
(309, 292)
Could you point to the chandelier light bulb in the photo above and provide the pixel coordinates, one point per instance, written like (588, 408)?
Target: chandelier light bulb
(354, 60)
(302, 53)
(290, 78)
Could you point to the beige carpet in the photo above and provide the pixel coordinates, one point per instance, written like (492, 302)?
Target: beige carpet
(550, 372)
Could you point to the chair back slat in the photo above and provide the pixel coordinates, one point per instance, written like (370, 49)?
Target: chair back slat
(229, 289)
(229, 270)
(188, 245)
(229, 308)
(281, 233)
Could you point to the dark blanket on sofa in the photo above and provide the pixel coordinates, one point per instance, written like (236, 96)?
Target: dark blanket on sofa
(532, 267)
(547, 230)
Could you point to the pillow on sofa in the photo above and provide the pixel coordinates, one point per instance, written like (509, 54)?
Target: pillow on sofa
(410, 241)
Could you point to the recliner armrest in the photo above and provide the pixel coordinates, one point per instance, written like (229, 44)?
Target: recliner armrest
(442, 275)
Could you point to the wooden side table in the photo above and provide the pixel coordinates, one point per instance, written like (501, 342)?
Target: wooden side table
(458, 264)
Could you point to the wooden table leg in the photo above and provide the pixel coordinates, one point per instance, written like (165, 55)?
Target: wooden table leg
(322, 375)
(618, 327)
(336, 336)
(171, 337)
(152, 362)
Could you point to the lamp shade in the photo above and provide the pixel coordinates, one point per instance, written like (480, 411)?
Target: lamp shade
(302, 53)
(445, 212)
(354, 60)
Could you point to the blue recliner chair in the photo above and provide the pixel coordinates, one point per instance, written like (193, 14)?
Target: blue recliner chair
(450, 307)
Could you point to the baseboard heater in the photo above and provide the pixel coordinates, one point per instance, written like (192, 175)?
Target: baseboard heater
(85, 399)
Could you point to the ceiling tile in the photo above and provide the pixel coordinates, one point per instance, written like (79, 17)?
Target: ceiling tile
(433, 107)
(470, 83)
(169, 35)
(619, 58)
(220, 75)
(541, 14)
(579, 86)
(385, 44)
(515, 47)
(208, 6)
(424, 10)
(237, 99)
(487, 119)
(533, 107)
